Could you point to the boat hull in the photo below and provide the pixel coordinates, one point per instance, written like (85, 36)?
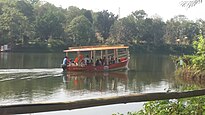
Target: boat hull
(111, 67)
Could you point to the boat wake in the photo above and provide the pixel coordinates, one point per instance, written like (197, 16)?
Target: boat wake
(8, 71)
(26, 74)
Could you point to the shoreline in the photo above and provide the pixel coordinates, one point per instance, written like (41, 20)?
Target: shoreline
(139, 48)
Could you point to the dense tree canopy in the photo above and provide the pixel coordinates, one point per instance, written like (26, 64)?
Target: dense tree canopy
(103, 22)
(80, 31)
(32, 22)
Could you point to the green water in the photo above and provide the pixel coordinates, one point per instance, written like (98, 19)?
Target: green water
(37, 77)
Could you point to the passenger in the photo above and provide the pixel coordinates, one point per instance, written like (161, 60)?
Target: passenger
(87, 60)
(119, 60)
(82, 63)
(76, 61)
(65, 62)
(79, 59)
(181, 62)
(91, 61)
(71, 63)
(97, 63)
(112, 60)
(100, 61)
(104, 61)
(116, 60)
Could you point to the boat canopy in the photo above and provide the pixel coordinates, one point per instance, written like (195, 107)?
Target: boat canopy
(95, 48)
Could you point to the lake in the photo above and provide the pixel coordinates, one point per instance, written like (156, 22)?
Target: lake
(37, 78)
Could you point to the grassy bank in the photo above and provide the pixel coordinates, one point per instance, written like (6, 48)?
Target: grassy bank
(191, 75)
(194, 68)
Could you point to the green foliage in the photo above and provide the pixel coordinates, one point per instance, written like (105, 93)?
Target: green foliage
(55, 43)
(26, 9)
(139, 14)
(72, 12)
(13, 24)
(123, 31)
(25, 21)
(80, 31)
(193, 106)
(103, 21)
(183, 106)
(48, 22)
(198, 59)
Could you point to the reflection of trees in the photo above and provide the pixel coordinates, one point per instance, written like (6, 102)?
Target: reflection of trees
(30, 60)
(151, 63)
(146, 69)
(101, 81)
(138, 81)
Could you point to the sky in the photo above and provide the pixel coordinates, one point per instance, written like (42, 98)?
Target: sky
(166, 9)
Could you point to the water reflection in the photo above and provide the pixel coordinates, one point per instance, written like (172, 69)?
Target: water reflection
(101, 81)
(29, 60)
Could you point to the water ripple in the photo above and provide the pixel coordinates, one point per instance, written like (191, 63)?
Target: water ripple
(26, 74)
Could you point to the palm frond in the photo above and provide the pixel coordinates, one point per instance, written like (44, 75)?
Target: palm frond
(189, 4)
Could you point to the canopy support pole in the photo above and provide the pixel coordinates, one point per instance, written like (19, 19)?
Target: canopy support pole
(106, 56)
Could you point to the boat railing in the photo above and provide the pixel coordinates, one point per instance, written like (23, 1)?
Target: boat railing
(112, 54)
(122, 55)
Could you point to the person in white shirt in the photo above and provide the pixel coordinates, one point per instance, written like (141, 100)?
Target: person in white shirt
(87, 60)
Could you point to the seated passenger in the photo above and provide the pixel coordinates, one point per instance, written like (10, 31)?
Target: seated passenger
(79, 59)
(87, 60)
(98, 62)
(116, 60)
(91, 61)
(76, 60)
(112, 60)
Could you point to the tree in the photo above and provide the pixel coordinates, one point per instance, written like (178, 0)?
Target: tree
(25, 8)
(153, 31)
(80, 31)
(88, 15)
(139, 14)
(175, 29)
(49, 22)
(103, 21)
(201, 24)
(198, 60)
(33, 1)
(191, 31)
(124, 31)
(71, 13)
(13, 25)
